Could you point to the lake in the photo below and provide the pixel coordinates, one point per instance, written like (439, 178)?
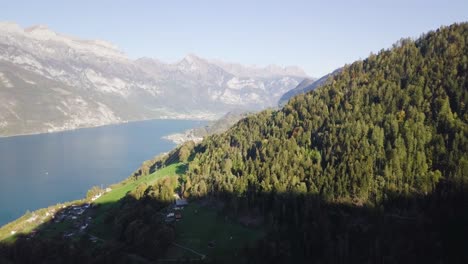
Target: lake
(41, 170)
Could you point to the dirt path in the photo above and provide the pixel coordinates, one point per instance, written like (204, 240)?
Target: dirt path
(203, 256)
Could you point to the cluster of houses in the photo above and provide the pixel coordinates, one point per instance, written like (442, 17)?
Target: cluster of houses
(74, 213)
(71, 213)
(175, 213)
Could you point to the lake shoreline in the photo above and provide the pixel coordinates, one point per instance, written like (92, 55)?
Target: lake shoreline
(62, 166)
(105, 125)
(180, 138)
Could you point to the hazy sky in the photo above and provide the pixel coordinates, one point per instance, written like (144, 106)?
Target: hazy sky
(318, 36)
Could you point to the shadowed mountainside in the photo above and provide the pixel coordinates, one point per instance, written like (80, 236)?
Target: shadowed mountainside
(430, 229)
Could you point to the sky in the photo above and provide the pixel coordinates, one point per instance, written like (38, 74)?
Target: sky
(318, 36)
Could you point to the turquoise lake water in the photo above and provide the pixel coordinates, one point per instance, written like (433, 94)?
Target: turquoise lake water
(41, 170)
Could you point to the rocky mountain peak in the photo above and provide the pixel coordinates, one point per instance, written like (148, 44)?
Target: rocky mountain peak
(193, 63)
(91, 82)
(41, 32)
(10, 27)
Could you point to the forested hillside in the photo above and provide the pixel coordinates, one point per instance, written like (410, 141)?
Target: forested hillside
(395, 123)
(388, 135)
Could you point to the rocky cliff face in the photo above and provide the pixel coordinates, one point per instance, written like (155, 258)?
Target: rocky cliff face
(51, 82)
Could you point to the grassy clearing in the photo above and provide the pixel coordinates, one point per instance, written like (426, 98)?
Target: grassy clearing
(201, 225)
(109, 200)
(119, 192)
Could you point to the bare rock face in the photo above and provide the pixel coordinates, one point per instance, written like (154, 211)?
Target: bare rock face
(52, 82)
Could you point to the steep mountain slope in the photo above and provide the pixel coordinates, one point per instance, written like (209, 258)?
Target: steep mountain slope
(305, 86)
(401, 110)
(93, 83)
(376, 156)
(254, 71)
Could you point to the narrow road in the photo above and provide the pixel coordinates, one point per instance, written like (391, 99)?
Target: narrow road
(191, 250)
(95, 237)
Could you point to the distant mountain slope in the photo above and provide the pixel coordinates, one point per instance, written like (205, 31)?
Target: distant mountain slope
(305, 86)
(255, 71)
(52, 82)
(214, 127)
(297, 90)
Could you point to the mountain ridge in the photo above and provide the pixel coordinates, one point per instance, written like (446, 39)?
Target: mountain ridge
(305, 86)
(101, 77)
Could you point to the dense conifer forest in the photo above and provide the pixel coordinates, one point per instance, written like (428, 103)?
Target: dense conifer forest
(372, 167)
(393, 124)
(386, 136)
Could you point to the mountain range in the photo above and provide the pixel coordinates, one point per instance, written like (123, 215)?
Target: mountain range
(53, 82)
